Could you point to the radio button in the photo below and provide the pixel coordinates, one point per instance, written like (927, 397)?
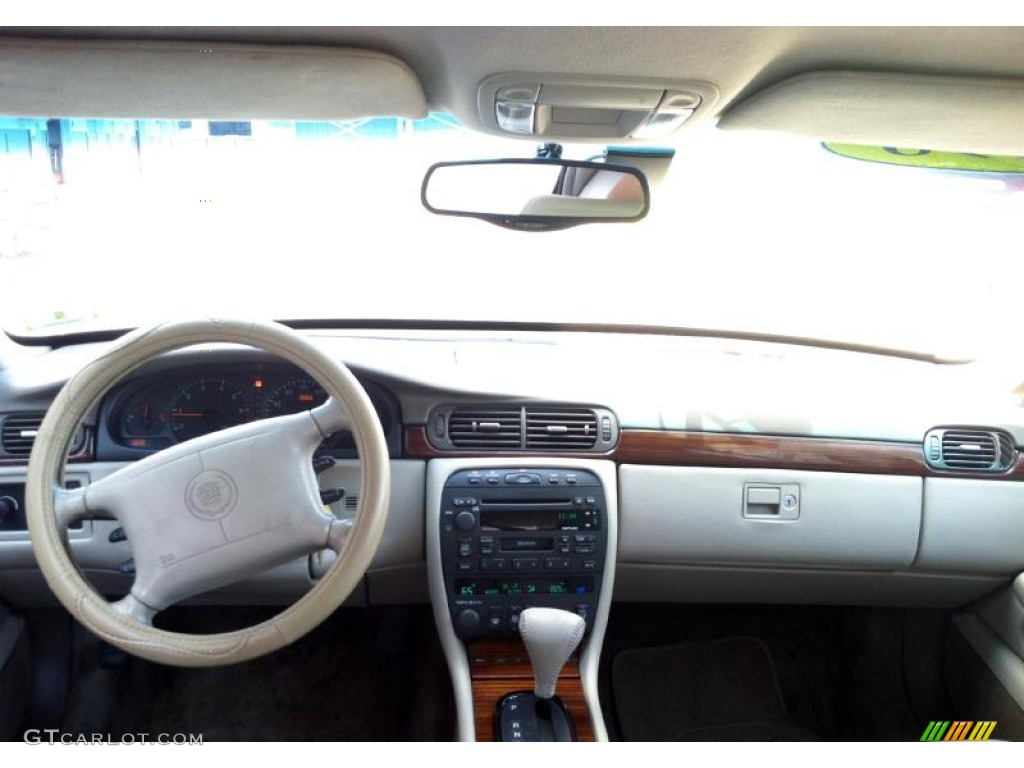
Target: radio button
(557, 564)
(588, 565)
(522, 478)
(585, 549)
(465, 521)
(525, 564)
(492, 564)
(465, 565)
(495, 619)
(465, 547)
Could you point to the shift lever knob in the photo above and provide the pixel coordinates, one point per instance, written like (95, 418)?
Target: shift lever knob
(551, 636)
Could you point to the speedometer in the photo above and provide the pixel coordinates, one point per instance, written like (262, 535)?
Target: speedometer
(206, 406)
(293, 397)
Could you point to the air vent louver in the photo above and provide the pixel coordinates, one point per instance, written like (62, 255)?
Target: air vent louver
(486, 427)
(560, 428)
(19, 432)
(969, 449)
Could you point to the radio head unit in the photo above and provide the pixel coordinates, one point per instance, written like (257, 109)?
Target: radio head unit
(512, 539)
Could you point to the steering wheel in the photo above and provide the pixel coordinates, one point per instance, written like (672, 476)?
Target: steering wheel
(212, 510)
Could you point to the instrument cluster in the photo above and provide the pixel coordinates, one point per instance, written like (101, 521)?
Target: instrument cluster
(156, 412)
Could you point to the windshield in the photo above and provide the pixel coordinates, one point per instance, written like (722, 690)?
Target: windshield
(117, 223)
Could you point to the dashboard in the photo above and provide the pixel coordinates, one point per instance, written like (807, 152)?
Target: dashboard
(159, 409)
(727, 490)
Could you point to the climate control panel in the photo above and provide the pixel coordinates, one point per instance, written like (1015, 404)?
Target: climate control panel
(517, 538)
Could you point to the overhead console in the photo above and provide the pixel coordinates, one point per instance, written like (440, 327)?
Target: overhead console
(563, 107)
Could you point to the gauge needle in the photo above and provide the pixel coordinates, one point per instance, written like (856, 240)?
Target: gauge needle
(188, 414)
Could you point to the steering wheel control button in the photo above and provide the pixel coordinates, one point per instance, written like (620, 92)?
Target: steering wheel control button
(211, 495)
(465, 521)
(117, 535)
(331, 495)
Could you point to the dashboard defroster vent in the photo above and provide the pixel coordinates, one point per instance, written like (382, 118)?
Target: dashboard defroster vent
(486, 427)
(560, 429)
(970, 449)
(19, 433)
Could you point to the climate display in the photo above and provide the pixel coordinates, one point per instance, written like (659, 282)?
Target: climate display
(580, 585)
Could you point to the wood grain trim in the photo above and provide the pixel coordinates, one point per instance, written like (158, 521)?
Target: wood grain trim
(745, 451)
(706, 449)
(500, 668)
(709, 449)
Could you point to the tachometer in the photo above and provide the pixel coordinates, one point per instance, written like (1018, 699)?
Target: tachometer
(294, 396)
(206, 406)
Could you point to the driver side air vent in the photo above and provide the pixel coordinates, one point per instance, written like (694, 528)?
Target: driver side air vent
(19, 433)
(970, 449)
(537, 428)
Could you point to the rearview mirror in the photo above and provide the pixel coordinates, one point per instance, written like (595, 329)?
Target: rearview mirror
(536, 194)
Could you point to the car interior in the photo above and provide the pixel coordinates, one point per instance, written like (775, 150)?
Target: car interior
(511, 383)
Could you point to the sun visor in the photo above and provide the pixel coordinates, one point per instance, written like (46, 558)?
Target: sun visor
(941, 113)
(197, 80)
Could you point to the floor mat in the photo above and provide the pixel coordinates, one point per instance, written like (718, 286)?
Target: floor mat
(719, 690)
(364, 674)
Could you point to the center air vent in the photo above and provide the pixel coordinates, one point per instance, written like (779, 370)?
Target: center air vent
(541, 428)
(560, 429)
(970, 449)
(486, 427)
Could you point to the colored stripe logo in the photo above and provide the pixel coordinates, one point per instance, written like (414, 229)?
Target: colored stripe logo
(958, 730)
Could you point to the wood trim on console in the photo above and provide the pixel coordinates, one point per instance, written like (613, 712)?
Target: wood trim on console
(498, 668)
(746, 451)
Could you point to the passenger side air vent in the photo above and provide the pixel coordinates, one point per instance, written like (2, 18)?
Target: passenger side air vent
(486, 427)
(970, 449)
(19, 431)
(540, 428)
(563, 429)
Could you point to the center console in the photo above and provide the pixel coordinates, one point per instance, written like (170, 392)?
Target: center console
(503, 538)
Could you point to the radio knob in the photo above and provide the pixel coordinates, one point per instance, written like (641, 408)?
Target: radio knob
(465, 521)
(469, 620)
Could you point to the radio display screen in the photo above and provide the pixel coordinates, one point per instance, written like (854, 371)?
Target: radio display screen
(512, 520)
(577, 585)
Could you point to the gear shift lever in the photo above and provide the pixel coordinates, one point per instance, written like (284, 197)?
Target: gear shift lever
(550, 635)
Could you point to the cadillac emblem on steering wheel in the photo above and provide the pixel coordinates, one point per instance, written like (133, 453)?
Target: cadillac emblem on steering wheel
(211, 495)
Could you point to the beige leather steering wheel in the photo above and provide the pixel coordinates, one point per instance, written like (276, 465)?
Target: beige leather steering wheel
(212, 510)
